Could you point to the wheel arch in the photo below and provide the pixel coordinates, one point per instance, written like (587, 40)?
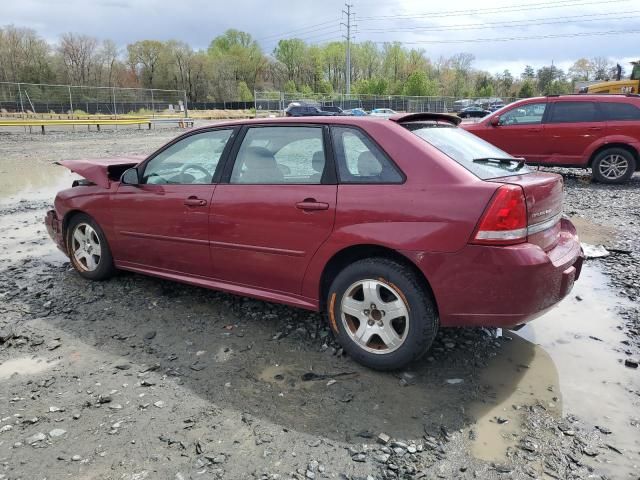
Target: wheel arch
(353, 253)
(67, 219)
(622, 145)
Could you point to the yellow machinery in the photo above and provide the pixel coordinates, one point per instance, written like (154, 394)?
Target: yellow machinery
(630, 85)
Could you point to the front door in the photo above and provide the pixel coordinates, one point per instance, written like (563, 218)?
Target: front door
(163, 223)
(275, 209)
(521, 132)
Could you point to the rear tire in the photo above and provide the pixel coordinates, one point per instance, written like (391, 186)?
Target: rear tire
(381, 313)
(613, 165)
(88, 248)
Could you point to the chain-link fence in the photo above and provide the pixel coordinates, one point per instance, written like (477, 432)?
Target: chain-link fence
(274, 103)
(32, 98)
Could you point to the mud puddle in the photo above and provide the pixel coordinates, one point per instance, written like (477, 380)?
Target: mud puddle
(19, 182)
(571, 362)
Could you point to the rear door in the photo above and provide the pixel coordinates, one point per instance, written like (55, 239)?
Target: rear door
(275, 207)
(163, 223)
(521, 132)
(572, 127)
(623, 118)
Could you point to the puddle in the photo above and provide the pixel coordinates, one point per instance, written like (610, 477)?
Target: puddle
(24, 366)
(24, 235)
(573, 354)
(36, 182)
(521, 374)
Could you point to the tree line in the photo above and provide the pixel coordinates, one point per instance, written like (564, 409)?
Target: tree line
(234, 65)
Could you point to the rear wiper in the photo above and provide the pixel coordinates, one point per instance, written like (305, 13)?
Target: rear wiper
(501, 161)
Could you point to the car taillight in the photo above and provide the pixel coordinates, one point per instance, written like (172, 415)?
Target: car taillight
(504, 221)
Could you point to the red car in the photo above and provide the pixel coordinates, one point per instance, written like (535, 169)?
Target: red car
(393, 228)
(601, 132)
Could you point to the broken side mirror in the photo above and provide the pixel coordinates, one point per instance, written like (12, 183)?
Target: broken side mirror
(130, 177)
(495, 121)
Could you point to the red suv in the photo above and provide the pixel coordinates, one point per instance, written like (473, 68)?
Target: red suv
(392, 227)
(601, 132)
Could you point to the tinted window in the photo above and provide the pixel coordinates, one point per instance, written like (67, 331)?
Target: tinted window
(620, 111)
(360, 160)
(192, 160)
(571, 112)
(464, 147)
(524, 114)
(280, 155)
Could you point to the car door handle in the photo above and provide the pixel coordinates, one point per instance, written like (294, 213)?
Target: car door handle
(535, 129)
(195, 202)
(311, 204)
(594, 128)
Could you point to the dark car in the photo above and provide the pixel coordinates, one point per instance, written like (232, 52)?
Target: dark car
(394, 228)
(332, 109)
(601, 132)
(473, 112)
(304, 110)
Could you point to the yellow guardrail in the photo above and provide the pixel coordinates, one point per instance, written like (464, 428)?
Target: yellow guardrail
(42, 123)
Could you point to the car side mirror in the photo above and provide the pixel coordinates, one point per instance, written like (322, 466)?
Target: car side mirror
(130, 177)
(495, 121)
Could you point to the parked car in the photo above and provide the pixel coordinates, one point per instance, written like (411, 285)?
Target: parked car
(382, 112)
(461, 104)
(332, 109)
(601, 132)
(473, 112)
(305, 110)
(356, 112)
(495, 106)
(393, 228)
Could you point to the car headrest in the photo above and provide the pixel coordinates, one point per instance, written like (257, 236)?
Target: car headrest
(317, 162)
(368, 165)
(259, 157)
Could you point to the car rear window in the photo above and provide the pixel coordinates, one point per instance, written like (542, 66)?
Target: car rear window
(573, 112)
(464, 148)
(620, 111)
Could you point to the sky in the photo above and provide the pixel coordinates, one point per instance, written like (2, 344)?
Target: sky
(530, 32)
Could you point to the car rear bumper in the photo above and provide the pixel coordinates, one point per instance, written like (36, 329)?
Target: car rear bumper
(54, 228)
(502, 286)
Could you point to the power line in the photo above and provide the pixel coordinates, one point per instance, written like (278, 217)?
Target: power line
(301, 30)
(509, 39)
(508, 24)
(506, 9)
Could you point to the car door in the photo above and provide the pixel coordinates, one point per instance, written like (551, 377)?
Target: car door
(572, 127)
(521, 132)
(274, 208)
(162, 223)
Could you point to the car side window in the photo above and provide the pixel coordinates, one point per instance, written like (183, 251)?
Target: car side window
(524, 114)
(572, 112)
(360, 160)
(192, 160)
(620, 111)
(280, 155)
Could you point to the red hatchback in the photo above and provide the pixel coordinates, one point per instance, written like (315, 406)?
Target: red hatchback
(601, 132)
(392, 227)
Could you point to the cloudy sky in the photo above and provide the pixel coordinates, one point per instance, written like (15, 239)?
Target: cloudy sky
(500, 33)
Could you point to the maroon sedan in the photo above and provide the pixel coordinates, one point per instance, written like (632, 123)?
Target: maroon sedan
(392, 227)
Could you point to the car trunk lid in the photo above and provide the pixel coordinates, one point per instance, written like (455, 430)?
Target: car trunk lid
(544, 198)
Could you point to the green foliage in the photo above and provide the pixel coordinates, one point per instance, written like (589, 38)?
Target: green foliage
(526, 90)
(418, 84)
(244, 94)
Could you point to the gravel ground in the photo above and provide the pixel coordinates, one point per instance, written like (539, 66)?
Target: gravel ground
(140, 378)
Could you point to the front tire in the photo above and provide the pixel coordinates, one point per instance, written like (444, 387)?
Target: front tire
(381, 313)
(613, 165)
(88, 248)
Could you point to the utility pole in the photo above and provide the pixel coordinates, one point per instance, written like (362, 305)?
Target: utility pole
(348, 13)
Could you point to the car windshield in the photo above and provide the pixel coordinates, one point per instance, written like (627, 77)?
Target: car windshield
(479, 157)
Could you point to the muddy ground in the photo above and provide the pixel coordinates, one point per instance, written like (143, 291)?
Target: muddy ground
(140, 378)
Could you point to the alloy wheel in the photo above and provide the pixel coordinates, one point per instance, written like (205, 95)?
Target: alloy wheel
(613, 167)
(85, 247)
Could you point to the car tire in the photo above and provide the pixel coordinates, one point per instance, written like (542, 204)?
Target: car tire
(365, 308)
(88, 248)
(613, 165)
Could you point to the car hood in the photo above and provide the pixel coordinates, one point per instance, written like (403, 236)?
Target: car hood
(102, 171)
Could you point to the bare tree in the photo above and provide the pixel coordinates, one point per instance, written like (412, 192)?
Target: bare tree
(78, 54)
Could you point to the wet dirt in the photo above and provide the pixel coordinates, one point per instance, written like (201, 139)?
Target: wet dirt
(202, 384)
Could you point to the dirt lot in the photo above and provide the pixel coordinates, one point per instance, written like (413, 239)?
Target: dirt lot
(139, 378)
